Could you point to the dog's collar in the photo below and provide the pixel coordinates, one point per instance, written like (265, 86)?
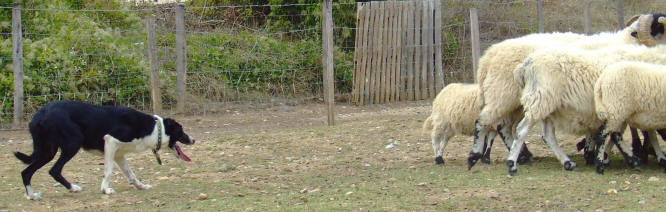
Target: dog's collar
(158, 122)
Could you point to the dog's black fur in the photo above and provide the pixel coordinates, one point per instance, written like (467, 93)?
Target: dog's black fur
(70, 125)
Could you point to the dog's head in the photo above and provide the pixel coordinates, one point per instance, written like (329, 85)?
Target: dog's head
(176, 134)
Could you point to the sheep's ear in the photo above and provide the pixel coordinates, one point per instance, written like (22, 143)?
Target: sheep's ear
(634, 34)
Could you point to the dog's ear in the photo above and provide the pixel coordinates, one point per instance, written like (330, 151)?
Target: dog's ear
(170, 125)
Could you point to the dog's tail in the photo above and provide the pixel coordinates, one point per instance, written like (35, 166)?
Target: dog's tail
(23, 157)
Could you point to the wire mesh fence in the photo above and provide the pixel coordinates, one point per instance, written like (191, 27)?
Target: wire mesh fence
(239, 52)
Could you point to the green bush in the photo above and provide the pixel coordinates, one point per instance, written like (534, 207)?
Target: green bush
(69, 55)
(99, 57)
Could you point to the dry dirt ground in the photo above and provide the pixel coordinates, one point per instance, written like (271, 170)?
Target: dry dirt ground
(285, 158)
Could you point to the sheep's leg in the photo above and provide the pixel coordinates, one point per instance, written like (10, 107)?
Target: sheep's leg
(632, 161)
(486, 154)
(480, 134)
(506, 133)
(663, 137)
(548, 136)
(521, 133)
(636, 146)
(437, 136)
(587, 145)
(651, 136)
(600, 148)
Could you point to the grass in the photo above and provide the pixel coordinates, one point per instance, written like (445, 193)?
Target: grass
(341, 168)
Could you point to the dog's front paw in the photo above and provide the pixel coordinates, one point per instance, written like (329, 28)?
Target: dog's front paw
(75, 188)
(34, 196)
(108, 191)
(142, 186)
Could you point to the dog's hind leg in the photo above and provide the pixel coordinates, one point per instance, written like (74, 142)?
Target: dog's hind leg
(129, 174)
(66, 154)
(42, 157)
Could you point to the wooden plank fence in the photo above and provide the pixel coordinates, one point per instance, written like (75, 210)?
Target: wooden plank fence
(398, 52)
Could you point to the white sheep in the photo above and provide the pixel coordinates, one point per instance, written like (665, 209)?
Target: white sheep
(454, 111)
(631, 93)
(500, 95)
(558, 90)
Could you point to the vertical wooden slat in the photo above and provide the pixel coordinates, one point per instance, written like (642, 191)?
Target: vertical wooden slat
(389, 50)
(17, 56)
(375, 45)
(418, 8)
(156, 95)
(392, 62)
(407, 56)
(439, 74)
(410, 50)
(367, 52)
(395, 86)
(380, 53)
(370, 52)
(476, 47)
(327, 59)
(424, 50)
(430, 48)
(540, 15)
(384, 55)
(374, 8)
(587, 16)
(181, 57)
(620, 14)
(357, 53)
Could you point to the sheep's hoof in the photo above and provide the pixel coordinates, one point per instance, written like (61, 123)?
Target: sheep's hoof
(662, 163)
(472, 159)
(600, 166)
(569, 165)
(634, 164)
(485, 159)
(513, 169)
(439, 160)
(589, 157)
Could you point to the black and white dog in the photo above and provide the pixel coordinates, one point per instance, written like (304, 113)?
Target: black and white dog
(111, 130)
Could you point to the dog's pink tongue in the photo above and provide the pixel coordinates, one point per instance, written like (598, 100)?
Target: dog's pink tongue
(182, 154)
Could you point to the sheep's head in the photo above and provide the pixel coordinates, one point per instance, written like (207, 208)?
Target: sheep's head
(649, 28)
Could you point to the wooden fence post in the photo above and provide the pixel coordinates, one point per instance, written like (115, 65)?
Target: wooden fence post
(17, 53)
(327, 59)
(155, 94)
(476, 43)
(181, 57)
(587, 16)
(540, 13)
(620, 14)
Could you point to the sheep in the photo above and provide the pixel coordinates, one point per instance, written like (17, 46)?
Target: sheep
(500, 95)
(453, 113)
(631, 93)
(558, 92)
(496, 83)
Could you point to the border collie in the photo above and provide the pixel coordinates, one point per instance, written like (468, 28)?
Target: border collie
(109, 130)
